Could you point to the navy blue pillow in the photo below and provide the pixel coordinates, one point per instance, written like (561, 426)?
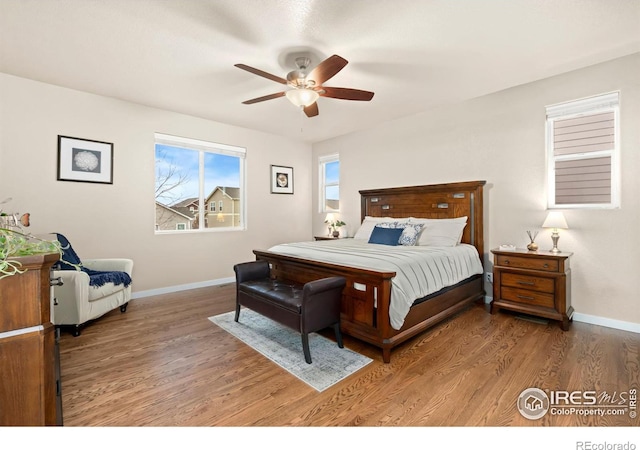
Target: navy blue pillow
(385, 236)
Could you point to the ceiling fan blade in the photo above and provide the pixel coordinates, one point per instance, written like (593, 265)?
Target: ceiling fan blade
(346, 94)
(311, 110)
(261, 73)
(262, 99)
(327, 69)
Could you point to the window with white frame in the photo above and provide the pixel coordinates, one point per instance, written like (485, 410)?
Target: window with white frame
(190, 171)
(583, 148)
(329, 176)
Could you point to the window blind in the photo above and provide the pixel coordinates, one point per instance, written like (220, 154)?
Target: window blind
(583, 152)
(585, 179)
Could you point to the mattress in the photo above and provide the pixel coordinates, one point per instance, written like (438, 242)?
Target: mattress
(420, 270)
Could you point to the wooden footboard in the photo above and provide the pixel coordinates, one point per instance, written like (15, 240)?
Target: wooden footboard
(366, 300)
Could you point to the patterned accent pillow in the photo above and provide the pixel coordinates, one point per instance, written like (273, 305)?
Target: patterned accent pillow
(410, 234)
(410, 231)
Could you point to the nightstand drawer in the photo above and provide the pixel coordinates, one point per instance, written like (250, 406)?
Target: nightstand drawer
(528, 297)
(523, 262)
(538, 284)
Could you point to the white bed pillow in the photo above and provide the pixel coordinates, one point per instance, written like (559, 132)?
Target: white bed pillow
(441, 232)
(364, 232)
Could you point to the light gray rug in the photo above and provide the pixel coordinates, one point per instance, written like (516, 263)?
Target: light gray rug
(283, 346)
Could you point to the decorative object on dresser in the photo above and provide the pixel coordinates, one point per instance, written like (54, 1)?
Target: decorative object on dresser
(532, 246)
(30, 388)
(533, 283)
(555, 220)
(334, 223)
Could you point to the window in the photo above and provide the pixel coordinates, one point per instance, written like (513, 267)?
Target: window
(583, 146)
(329, 177)
(220, 206)
(191, 174)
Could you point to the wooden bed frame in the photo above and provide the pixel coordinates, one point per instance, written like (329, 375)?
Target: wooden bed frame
(366, 298)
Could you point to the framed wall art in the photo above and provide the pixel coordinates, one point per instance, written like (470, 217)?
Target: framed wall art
(85, 160)
(281, 180)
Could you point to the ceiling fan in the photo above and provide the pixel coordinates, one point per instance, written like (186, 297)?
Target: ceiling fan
(308, 87)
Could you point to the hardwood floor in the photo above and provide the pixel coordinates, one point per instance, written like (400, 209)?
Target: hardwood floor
(163, 363)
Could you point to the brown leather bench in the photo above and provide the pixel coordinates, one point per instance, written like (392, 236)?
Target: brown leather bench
(305, 308)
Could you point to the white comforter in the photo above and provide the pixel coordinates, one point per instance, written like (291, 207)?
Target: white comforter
(420, 270)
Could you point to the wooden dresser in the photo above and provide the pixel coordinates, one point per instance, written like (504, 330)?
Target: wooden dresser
(29, 369)
(536, 283)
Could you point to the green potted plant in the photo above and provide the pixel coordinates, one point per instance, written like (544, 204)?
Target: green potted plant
(334, 224)
(15, 243)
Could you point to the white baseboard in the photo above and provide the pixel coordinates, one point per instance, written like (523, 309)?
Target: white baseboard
(597, 320)
(606, 322)
(182, 287)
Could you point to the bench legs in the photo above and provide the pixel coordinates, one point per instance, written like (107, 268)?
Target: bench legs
(305, 348)
(336, 329)
(237, 312)
(305, 342)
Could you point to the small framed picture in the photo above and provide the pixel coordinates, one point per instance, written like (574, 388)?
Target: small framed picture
(281, 180)
(85, 160)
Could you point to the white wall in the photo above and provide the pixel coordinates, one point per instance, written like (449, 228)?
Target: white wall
(500, 138)
(117, 220)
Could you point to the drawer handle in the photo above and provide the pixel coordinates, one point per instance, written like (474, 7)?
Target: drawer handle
(525, 297)
(506, 261)
(546, 266)
(526, 283)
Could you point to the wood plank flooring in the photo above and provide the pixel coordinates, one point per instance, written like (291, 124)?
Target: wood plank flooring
(163, 363)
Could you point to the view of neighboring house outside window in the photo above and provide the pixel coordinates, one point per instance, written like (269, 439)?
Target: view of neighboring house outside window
(190, 173)
(329, 176)
(228, 214)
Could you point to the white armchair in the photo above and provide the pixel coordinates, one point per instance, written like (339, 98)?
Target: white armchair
(76, 302)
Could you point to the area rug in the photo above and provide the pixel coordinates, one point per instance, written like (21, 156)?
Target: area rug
(282, 345)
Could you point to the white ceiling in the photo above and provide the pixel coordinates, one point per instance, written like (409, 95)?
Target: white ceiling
(414, 54)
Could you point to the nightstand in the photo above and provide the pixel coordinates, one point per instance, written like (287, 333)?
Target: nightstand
(536, 283)
(325, 238)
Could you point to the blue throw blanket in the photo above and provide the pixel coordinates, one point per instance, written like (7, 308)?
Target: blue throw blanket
(96, 277)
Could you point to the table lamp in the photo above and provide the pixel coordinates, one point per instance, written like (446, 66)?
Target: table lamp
(555, 220)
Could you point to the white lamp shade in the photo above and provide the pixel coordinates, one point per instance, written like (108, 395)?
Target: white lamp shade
(302, 97)
(330, 218)
(555, 219)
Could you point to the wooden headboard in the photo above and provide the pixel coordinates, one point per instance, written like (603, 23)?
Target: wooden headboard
(434, 201)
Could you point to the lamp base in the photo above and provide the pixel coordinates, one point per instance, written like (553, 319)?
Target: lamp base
(554, 238)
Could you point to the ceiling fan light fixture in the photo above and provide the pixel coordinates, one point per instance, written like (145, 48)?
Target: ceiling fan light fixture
(302, 97)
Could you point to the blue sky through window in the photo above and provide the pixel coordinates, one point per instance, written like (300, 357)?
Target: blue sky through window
(175, 163)
(332, 176)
